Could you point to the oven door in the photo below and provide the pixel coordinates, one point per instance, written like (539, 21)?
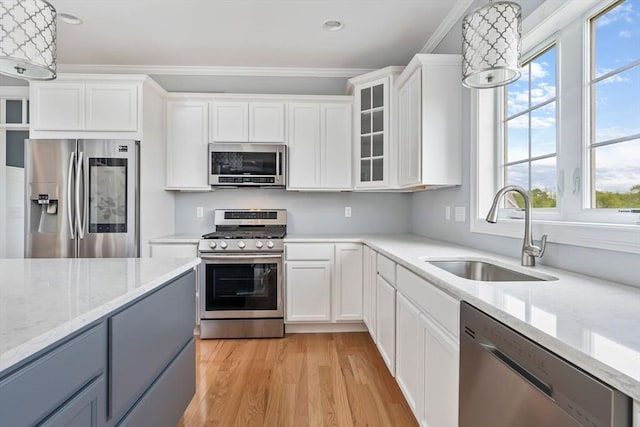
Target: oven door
(237, 286)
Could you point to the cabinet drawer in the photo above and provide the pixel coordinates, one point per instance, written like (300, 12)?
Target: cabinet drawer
(36, 390)
(165, 401)
(439, 306)
(309, 251)
(145, 337)
(387, 269)
(86, 409)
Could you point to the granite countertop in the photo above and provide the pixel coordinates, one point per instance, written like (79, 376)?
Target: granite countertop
(44, 300)
(592, 323)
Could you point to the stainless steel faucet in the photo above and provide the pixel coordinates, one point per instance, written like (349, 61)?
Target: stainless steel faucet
(529, 250)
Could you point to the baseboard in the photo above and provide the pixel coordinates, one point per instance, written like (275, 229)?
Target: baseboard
(314, 328)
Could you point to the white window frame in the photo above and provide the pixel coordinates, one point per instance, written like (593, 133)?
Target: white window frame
(574, 225)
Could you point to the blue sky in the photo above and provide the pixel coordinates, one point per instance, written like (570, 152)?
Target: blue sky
(617, 107)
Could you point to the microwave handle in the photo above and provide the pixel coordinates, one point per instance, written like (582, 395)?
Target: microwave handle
(280, 153)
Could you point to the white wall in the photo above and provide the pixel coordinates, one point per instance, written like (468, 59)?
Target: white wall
(307, 213)
(428, 215)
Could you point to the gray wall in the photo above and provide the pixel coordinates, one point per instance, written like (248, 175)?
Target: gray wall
(428, 218)
(308, 213)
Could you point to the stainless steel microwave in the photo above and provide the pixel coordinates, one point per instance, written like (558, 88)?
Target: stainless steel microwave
(241, 165)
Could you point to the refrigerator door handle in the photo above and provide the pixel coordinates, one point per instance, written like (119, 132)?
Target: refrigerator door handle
(69, 213)
(79, 176)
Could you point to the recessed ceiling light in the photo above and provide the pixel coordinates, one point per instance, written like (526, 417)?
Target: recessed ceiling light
(332, 25)
(68, 18)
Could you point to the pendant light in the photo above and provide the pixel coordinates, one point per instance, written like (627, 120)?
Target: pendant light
(491, 45)
(28, 39)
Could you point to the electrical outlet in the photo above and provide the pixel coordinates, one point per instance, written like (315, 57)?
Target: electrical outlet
(347, 211)
(447, 213)
(460, 213)
(199, 211)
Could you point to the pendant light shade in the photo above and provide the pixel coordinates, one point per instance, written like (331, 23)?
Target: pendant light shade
(491, 45)
(28, 39)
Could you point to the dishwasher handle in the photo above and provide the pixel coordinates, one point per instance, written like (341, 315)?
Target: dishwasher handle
(519, 369)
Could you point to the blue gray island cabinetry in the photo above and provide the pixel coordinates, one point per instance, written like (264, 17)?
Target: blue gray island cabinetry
(96, 342)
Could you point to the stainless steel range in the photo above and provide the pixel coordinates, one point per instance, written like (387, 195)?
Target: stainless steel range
(241, 284)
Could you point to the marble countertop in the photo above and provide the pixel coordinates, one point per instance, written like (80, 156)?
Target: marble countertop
(594, 324)
(44, 300)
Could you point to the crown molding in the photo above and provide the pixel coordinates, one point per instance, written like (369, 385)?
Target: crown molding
(188, 70)
(454, 15)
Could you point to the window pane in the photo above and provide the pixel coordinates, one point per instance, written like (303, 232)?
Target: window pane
(378, 170)
(543, 77)
(617, 175)
(14, 111)
(617, 39)
(378, 145)
(365, 123)
(15, 147)
(365, 146)
(365, 99)
(365, 170)
(543, 130)
(518, 138)
(544, 187)
(518, 93)
(378, 96)
(518, 175)
(378, 121)
(617, 102)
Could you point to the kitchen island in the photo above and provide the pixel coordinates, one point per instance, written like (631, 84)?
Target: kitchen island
(63, 321)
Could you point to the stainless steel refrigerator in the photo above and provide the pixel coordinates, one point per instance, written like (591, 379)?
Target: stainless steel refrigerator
(82, 198)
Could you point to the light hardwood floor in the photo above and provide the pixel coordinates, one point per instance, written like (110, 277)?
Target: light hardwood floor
(300, 380)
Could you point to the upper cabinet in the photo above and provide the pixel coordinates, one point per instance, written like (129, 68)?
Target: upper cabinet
(246, 121)
(96, 104)
(429, 122)
(187, 154)
(373, 121)
(319, 145)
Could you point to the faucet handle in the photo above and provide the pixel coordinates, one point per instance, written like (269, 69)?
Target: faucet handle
(543, 246)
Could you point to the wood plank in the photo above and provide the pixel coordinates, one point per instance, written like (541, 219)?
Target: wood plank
(299, 380)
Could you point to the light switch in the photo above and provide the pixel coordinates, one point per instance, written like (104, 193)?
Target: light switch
(460, 213)
(199, 211)
(347, 211)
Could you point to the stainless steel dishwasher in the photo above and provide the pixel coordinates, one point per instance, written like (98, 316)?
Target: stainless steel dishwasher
(507, 380)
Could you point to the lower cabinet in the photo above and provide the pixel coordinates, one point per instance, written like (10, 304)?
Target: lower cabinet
(86, 409)
(323, 282)
(369, 276)
(410, 366)
(386, 322)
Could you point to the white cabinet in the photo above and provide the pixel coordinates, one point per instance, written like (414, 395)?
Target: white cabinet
(308, 291)
(187, 131)
(636, 413)
(410, 353)
(386, 322)
(97, 106)
(244, 121)
(429, 117)
(441, 354)
(348, 282)
(319, 146)
(369, 275)
(323, 282)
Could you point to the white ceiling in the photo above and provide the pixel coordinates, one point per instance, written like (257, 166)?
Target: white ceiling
(250, 33)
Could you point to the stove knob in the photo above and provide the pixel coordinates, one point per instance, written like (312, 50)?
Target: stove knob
(223, 244)
(270, 244)
(241, 244)
(259, 244)
(212, 245)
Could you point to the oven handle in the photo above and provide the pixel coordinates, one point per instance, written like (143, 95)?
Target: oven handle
(240, 256)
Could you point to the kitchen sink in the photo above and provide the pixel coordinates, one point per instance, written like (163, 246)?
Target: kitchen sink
(486, 271)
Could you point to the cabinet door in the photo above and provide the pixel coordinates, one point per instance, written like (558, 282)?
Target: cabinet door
(336, 146)
(372, 134)
(636, 413)
(410, 131)
(366, 287)
(187, 127)
(410, 354)
(266, 122)
(230, 121)
(58, 106)
(441, 355)
(111, 107)
(86, 409)
(304, 146)
(386, 322)
(372, 276)
(348, 282)
(308, 291)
